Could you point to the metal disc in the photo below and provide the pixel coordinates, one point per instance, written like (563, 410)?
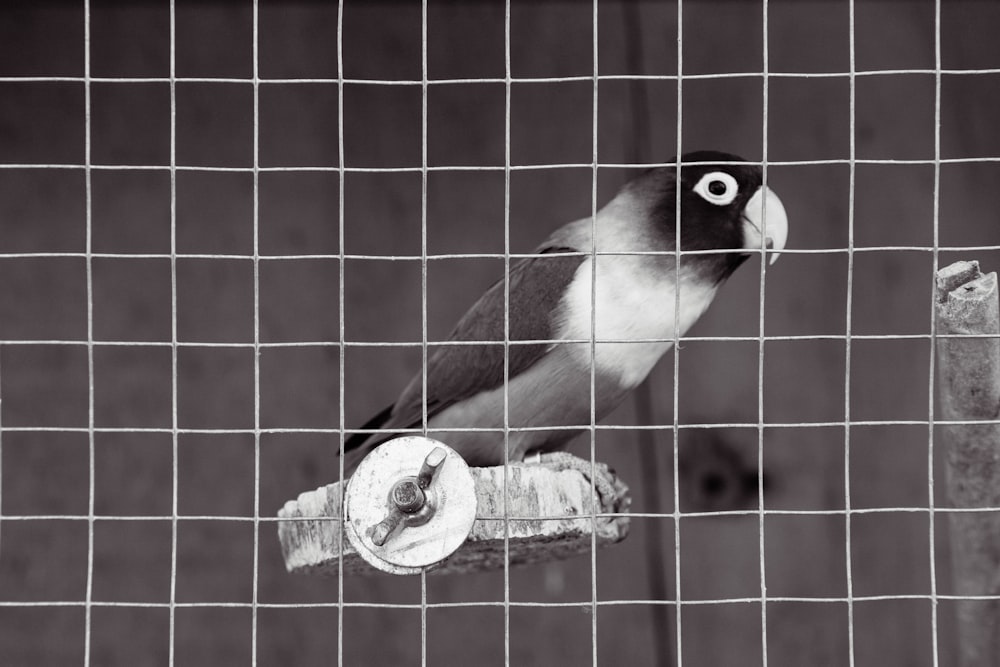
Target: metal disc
(410, 549)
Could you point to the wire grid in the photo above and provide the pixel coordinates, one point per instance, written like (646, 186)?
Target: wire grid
(260, 522)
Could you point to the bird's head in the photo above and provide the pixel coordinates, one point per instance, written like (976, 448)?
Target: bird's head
(725, 209)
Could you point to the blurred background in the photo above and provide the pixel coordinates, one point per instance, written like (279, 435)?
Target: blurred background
(842, 380)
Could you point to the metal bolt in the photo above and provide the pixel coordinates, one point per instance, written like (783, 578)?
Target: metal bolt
(408, 503)
(407, 495)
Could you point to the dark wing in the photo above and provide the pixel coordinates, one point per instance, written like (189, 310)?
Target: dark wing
(358, 439)
(456, 372)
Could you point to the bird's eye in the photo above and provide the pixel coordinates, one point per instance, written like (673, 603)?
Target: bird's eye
(717, 187)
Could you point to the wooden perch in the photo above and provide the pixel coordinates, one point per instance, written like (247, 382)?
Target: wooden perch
(550, 518)
(969, 389)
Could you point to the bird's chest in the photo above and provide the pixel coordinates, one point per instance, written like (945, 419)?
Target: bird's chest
(630, 310)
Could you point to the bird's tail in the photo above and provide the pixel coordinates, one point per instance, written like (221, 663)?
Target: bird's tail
(357, 446)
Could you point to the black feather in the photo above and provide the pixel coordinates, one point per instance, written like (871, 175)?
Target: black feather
(536, 285)
(358, 439)
(704, 226)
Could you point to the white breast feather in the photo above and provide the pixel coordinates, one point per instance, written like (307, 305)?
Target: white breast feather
(634, 302)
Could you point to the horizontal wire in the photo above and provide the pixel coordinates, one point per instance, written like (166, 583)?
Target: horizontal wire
(583, 604)
(754, 513)
(540, 341)
(489, 167)
(514, 429)
(487, 255)
(589, 79)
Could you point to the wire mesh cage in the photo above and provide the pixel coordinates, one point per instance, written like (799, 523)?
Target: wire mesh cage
(229, 232)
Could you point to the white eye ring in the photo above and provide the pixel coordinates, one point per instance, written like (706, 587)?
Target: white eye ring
(717, 187)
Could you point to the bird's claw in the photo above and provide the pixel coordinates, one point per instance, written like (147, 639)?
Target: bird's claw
(612, 493)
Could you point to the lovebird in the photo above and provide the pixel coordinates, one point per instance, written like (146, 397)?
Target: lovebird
(577, 325)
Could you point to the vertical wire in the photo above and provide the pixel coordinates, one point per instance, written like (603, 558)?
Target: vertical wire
(1, 451)
(935, 647)
(341, 328)
(91, 444)
(174, 424)
(765, 54)
(256, 334)
(423, 281)
(848, 324)
(593, 343)
(649, 460)
(506, 320)
(677, 359)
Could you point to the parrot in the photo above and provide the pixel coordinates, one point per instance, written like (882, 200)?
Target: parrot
(578, 324)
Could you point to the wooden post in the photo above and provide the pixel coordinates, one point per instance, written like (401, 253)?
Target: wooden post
(969, 390)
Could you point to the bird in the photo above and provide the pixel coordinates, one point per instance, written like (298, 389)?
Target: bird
(579, 323)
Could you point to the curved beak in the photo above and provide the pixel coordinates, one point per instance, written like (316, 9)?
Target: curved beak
(765, 224)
